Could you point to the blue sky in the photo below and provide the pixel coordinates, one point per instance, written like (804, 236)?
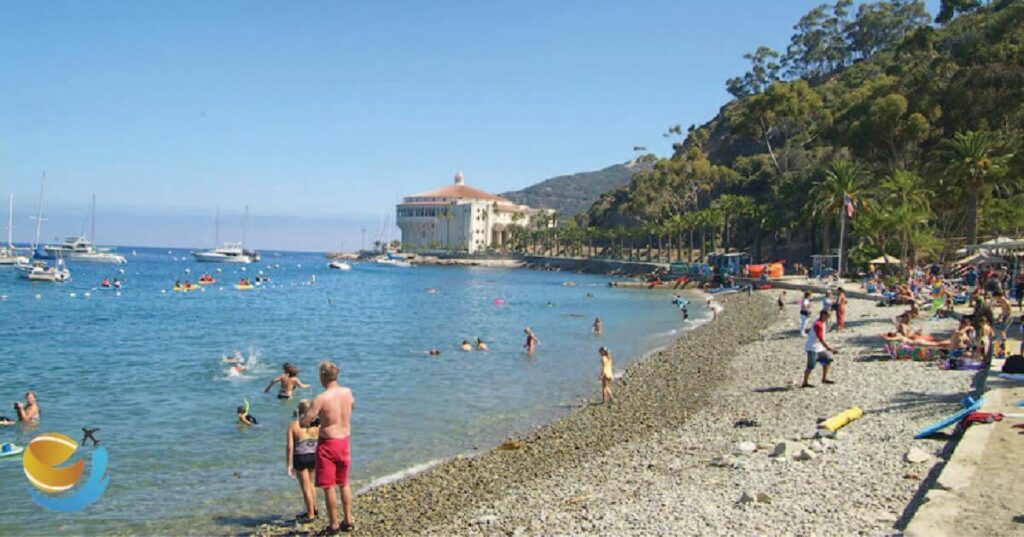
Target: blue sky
(330, 111)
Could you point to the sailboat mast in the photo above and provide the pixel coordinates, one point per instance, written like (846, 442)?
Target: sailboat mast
(216, 227)
(39, 212)
(245, 225)
(10, 221)
(92, 229)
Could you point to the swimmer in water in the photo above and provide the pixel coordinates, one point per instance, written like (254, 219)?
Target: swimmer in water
(466, 347)
(435, 352)
(244, 417)
(237, 358)
(551, 304)
(606, 374)
(531, 340)
(598, 326)
(289, 381)
(481, 346)
(686, 313)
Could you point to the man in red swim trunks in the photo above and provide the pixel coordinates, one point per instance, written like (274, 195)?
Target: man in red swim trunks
(334, 409)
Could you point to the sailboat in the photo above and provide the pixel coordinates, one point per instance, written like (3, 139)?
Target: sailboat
(81, 250)
(229, 252)
(38, 270)
(8, 254)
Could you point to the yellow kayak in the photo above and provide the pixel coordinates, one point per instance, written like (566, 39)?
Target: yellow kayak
(243, 287)
(184, 288)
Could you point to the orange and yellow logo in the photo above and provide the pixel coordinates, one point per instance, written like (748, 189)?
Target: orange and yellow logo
(42, 462)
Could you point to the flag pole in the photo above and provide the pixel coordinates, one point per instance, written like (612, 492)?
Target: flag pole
(842, 234)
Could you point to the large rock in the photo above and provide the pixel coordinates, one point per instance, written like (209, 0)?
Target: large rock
(745, 448)
(916, 456)
(788, 449)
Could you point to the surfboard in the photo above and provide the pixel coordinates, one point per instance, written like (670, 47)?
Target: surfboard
(970, 405)
(15, 450)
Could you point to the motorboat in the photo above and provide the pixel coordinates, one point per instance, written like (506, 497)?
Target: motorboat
(340, 265)
(40, 272)
(81, 250)
(229, 253)
(393, 260)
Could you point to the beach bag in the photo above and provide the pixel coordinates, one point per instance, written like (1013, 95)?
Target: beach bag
(1014, 364)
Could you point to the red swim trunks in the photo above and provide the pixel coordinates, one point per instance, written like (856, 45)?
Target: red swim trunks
(332, 461)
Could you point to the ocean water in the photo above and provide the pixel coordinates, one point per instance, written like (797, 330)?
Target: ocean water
(145, 367)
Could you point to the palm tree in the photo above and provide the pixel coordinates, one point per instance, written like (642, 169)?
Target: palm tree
(907, 206)
(843, 179)
(972, 158)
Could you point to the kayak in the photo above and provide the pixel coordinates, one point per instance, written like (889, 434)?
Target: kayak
(184, 289)
(211, 282)
(241, 287)
(10, 450)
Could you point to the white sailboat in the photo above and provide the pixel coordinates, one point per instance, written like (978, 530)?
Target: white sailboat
(81, 249)
(229, 252)
(38, 270)
(8, 254)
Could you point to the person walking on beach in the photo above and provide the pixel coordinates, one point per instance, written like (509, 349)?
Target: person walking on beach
(289, 380)
(30, 410)
(333, 455)
(531, 340)
(805, 312)
(606, 374)
(300, 458)
(598, 326)
(782, 302)
(840, 309)
(818, 350)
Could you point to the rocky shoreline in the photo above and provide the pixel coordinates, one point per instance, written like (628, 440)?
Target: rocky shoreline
(667, 457)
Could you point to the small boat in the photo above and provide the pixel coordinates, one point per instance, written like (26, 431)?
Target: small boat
(184, 288)
(340, 265)
(393, 260)
(81, 250)
(229, 252)
(38, 271)
(206, 280)
(243, 287)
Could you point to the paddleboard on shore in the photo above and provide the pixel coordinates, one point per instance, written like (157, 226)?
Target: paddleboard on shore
(970, 405)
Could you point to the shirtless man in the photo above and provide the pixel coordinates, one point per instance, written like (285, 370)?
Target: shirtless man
(1006, 312)
(289, 380)
(30, 410)
(333, 457)
(598, 326)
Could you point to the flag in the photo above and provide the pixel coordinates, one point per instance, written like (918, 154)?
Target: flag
(849, 205)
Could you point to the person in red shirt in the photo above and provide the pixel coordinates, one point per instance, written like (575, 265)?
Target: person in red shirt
(818, 350)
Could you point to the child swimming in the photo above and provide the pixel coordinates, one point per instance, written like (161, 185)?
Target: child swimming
(244, 417)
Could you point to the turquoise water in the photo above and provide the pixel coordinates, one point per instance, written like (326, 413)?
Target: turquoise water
(146, 368)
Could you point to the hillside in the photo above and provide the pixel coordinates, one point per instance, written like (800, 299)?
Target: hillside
(570, 195)
(880, 105)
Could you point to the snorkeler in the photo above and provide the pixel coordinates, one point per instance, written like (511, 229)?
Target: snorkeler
(465, 346)
(244, 417)
(434, 352)
(481, 346)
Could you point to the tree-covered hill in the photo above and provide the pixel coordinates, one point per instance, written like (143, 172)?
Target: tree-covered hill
(916, 122)
(570, 195)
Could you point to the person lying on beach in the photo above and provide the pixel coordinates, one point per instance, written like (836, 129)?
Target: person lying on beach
(531, 340)
(300, 454)
(244, 417)
(289, 380)
(466, 347)
(606, 374)
(30, 410)
(598, 326)
(481, 346)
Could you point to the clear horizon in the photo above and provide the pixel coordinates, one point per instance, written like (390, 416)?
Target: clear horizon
(334, 111)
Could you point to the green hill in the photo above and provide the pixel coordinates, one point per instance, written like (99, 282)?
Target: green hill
(570, 195)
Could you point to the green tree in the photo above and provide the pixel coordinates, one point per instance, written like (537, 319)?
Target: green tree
(764, 69)
(842, 179)
(906, 201)
(973, 159)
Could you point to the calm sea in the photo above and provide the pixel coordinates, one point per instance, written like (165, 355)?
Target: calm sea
(145, 367)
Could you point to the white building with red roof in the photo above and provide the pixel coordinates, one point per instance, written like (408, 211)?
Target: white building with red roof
(460, 218)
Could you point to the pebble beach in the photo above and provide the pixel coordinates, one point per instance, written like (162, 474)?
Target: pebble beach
(667, 456)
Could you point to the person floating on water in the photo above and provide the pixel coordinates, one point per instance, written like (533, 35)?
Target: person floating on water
(598, 326)
(105, 283)
(300, 454)
(334, 408)
(531, 340)
(465, 346)
(481, 346)
(117, 283)
(28, 412)
(289, 380)
(606, 374)
(434, 352)
(244, 417)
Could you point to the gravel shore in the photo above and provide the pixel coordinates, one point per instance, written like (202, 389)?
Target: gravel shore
(666, 458)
